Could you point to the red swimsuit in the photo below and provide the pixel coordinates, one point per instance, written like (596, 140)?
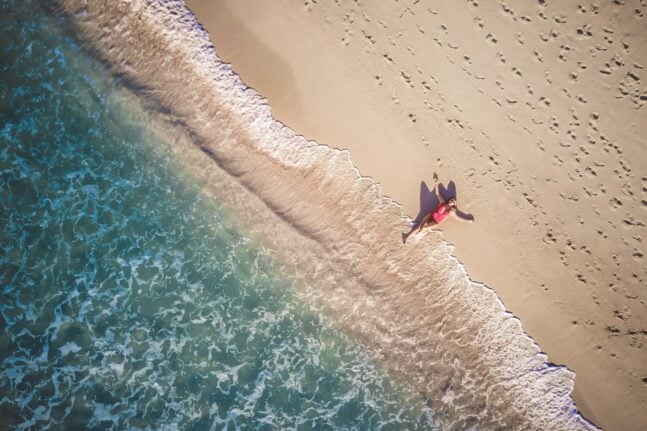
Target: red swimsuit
(441, 212)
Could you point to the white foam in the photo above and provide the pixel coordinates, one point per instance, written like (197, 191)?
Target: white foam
(69, 347)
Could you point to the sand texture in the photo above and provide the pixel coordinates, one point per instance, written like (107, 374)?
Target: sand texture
(532, 113)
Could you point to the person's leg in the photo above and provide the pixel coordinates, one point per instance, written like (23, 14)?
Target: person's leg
(408, 234)
(417, 229)
(428, 221)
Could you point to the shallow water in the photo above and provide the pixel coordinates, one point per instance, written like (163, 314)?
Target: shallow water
(129, 299)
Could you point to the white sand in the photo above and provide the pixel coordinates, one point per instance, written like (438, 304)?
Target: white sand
(533, 109)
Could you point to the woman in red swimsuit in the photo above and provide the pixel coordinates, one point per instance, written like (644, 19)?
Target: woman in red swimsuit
(444, 209)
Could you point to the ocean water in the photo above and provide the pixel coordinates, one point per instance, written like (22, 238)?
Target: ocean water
(130, 299)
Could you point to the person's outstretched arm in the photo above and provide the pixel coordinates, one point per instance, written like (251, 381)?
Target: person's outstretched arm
(461, 216)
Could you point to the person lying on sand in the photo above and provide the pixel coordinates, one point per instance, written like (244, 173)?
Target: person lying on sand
(444, 209)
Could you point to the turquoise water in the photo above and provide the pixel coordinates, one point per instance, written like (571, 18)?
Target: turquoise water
(129, 300)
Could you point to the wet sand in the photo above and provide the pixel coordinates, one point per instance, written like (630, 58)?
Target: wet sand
(532, 114)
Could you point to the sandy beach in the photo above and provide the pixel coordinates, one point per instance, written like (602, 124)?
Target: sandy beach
(532, 113)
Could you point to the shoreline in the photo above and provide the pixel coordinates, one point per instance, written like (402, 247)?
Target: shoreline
(406, 113)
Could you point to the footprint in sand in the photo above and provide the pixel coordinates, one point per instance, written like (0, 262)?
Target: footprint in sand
(553, 125)
(547, 77)
(368, 37)
(520, 39)
(630, 87)
(560, 19)
(575, 120)
(542, 14)
(615, 203)
(599, 48)
(407, 78)
(608, 39)
(564, 49)
(406, 10)
(544, 100)
(625, 47)
(507, 10)
(584, 32)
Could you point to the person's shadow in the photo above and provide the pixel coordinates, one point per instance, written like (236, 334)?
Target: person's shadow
(429, 201)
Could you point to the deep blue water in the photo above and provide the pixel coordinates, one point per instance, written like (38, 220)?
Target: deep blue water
(127, 299)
